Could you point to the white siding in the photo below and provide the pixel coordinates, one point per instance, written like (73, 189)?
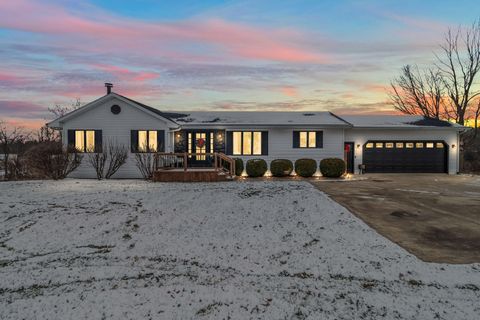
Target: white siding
(116, 128)
(361, 136)
(280, 145)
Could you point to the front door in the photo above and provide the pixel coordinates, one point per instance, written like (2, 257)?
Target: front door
(349, 156)
(200, 142)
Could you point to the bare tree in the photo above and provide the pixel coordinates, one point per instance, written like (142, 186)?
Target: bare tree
(146, 164)
(46, 134)
(97, 160)
(52, 160)
(459, 63)
(59, 110)
(418, 93)
(117, 156)
(11, 139)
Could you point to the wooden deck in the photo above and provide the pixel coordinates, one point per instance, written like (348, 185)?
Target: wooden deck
(173, 167)
(192, 175)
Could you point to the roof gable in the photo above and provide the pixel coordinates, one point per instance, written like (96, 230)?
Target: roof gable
(57, 123)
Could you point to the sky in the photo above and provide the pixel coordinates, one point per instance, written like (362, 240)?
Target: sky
(256, 55)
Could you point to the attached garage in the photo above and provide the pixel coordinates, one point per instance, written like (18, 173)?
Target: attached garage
(405, 157)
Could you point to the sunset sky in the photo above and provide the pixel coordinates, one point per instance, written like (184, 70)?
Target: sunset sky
(215, 55)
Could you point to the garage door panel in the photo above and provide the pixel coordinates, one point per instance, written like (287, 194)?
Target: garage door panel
(419, 157)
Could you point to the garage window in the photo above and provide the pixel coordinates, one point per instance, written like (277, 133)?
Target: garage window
(409, 145)
(439, 145)
(399, 145)
(429, 145)
(419, 145)
(389, 145)
(379, 145)
(369, 145)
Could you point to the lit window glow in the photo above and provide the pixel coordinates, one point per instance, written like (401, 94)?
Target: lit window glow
(399, 145)
(147, 141)
(307, 139)
(85, 140)
(237, 143)
(389, 145)
(247, 143)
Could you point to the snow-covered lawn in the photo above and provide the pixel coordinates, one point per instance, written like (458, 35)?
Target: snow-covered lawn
(83, 249)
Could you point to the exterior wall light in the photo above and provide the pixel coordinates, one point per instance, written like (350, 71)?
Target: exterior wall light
(453, 146)
(358, 146)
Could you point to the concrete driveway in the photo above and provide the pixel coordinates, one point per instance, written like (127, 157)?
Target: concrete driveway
(435, 217)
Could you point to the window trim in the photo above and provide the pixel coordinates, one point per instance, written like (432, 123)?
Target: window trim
(252, 143)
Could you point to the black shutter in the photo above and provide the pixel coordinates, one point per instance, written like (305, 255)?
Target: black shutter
(265, 143)
(319, 139)
(229, 142)
(160, 140)
(98, 141)
(296, 139)
(71, 139)
(134, 141)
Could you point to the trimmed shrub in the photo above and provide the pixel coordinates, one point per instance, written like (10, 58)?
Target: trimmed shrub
(332, 167)
(256, 167)
(305, 167)
(238, 166)
(281, 167)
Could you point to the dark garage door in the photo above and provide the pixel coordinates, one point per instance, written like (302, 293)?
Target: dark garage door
(405, 156)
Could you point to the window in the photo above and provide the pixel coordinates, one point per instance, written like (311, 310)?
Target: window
(369, 145)
(147, 141)
(429, 145)
(399, 145)
(83, 140)
(389, 145)
(248, 142)
(439, 145)
(409, 145)
(419, 145)
(308, 139)
(379, 145)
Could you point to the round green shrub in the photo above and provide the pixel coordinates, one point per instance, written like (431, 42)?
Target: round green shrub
(332, 167)
(281, 167)
(238, 166)
(305, 167)
(256, 167)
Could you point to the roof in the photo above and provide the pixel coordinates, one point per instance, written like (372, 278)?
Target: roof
(152, 111)
(397, 121)
(169, 115)
(231, 118)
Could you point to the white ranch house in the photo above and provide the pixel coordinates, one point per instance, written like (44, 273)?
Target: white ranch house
(367, 143)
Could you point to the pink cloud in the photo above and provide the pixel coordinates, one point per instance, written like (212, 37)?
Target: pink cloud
(289, 91)
(126, 74)
(108, 33)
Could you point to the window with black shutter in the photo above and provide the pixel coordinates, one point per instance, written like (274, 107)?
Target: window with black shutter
(247, 143)
(307, 139)
(85, 140)
(147, 141)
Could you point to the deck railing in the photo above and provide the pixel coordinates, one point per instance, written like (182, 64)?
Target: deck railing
(175, 160)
